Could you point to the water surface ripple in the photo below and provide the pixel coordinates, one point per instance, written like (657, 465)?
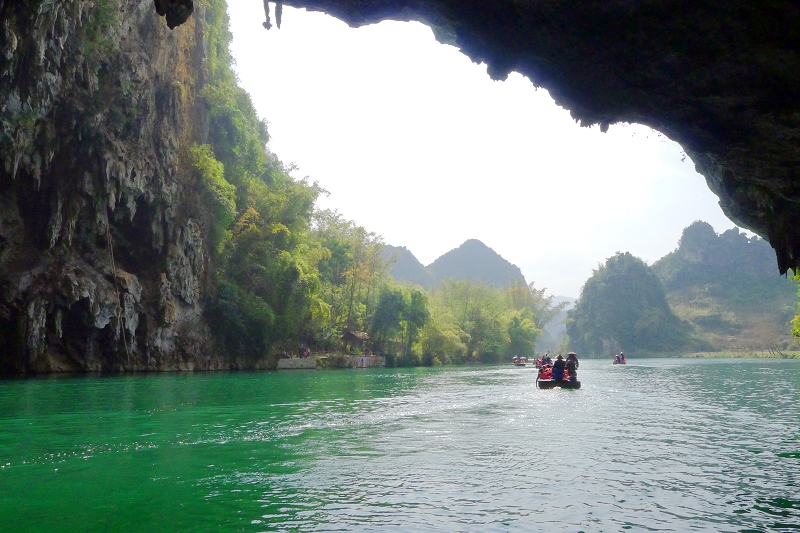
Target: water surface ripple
(657, 445)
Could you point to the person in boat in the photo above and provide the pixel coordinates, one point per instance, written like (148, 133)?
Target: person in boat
(572, 356)
(622, 357)
(572, 366)
(558, 367)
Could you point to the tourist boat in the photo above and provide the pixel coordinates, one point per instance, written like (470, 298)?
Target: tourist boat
(619, 362)
(544, 380)
(553, 383)
(520, 361)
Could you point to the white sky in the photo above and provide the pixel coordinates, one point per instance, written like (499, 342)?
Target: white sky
(416, 143)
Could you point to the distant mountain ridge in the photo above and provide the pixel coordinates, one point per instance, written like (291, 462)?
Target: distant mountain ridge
(407, 267)
(723, 288)
(726, 285)
(473, 261)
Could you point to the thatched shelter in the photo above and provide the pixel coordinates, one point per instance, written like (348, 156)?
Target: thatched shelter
(354, 339)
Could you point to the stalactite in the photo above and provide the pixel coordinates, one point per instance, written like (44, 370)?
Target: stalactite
(267, 24)
(278, 14)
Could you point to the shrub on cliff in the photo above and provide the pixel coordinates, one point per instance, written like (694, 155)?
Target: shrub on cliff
(218, 194)
(263, 286)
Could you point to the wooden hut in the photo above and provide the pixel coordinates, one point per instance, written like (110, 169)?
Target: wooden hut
(352, 340)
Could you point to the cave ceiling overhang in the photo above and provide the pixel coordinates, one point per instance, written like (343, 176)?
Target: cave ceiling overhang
(721, 78)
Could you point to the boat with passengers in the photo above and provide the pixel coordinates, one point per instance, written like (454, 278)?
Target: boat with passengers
(544, 380)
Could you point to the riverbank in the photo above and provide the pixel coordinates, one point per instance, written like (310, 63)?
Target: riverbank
(749, 354)
(331, 360)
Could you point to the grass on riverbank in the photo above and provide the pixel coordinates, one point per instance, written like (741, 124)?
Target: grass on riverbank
(750, 354)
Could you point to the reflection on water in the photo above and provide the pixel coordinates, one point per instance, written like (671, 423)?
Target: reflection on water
(657, 445)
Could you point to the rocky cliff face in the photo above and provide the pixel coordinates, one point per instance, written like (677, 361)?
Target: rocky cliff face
(102, 248)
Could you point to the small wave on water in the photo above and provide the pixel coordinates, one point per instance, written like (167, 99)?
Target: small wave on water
(657, 445)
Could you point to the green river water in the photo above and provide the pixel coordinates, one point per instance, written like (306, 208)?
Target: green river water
(657, 445)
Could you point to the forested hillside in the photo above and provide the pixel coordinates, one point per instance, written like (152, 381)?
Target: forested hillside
(713, 293)
(728, 288)
(623, 307)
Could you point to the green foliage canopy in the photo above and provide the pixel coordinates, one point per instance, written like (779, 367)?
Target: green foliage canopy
(623, 307)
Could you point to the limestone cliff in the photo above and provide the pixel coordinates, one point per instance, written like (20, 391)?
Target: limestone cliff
(102, 249)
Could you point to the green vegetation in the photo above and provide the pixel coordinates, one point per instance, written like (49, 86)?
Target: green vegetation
(287, 275)
(352, 274)
(623, 306)
(796, 320)
(727, 287)
(724, 290)
(97, 25)
(401, 312)
(264, 289)
(751, 354)
(476, 322)
(219, 194)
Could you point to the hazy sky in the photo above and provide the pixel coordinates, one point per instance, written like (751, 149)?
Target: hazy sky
(417, 144)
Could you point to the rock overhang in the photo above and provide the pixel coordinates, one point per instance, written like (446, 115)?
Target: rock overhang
(721, 78)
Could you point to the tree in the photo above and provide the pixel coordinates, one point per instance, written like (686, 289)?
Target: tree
(796, 319)
(386, 322)
(415, 316)
(399, 316)
(441, 340)
(532, 305)
(352, 272)
(522, 334)
(478, 310)
(623, 306)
